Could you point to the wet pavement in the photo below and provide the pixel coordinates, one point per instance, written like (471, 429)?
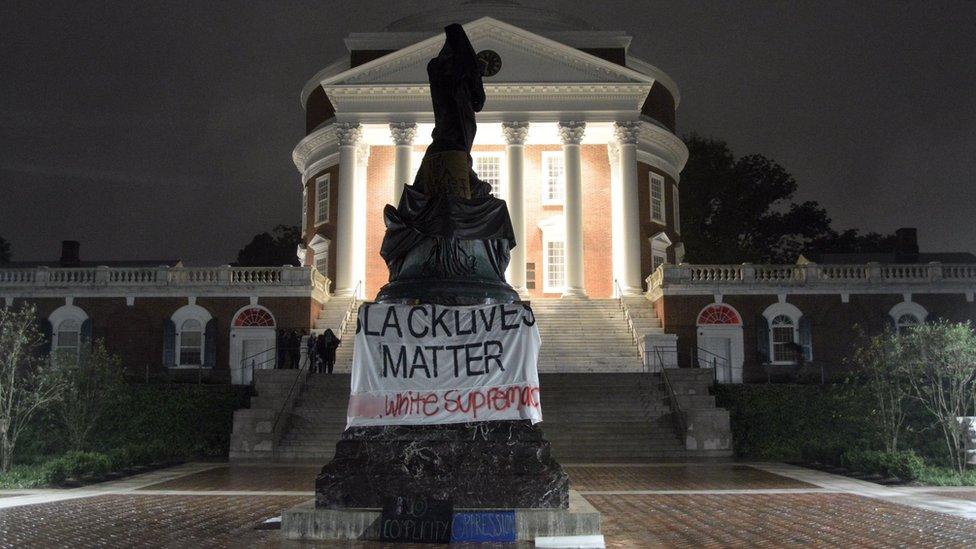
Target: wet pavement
(649, 505)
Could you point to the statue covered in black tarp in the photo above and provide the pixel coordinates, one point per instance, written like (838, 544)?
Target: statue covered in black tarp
(449, 240)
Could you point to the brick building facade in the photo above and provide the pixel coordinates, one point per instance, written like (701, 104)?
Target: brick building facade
(578, 136)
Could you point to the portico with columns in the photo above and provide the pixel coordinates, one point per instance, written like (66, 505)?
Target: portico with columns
(567, 138)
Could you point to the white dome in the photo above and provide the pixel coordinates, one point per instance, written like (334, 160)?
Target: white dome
(509, 11)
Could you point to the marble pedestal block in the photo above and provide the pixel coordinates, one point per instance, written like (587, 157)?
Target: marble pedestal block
(484, 465)
(306, 521)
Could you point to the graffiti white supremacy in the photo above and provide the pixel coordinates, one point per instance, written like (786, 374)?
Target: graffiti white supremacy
(429, 364)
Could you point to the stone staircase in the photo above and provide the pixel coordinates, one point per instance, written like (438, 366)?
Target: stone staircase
(598, 406)
(588, 417)
(586, 335)
(252, 437)
(317, 420)
(275, 391)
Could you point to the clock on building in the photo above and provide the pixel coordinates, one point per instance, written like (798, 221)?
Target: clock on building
(492, 62)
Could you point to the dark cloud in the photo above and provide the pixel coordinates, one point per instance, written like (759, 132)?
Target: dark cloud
(166, 130)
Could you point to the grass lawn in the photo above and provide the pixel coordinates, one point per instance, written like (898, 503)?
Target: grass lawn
(944, 476)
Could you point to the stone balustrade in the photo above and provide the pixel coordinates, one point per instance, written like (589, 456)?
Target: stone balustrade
(127, 280)
(875, 276)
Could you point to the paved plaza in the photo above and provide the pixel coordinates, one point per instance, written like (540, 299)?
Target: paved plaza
(651, 505)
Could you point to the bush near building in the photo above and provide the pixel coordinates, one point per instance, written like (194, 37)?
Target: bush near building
(144, 425)
(833, 424)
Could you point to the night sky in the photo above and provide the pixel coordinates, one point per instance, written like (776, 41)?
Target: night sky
(166, 131)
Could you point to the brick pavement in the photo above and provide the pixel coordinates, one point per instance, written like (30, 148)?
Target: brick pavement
(139, 520)
(697, 510)
(774, 520)
(719, 476)
(299, 478)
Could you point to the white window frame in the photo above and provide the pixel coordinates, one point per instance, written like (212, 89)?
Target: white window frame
(656, 180)
(66, 313)
(907, 308)
(502, 180)
(320, 248)
(179, 318)
(658, 259)
(794, 314)
(546, 287)
(183, 333)
(323, 200)
(659, 249)
(547, 158)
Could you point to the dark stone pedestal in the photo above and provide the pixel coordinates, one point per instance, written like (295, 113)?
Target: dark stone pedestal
(447, 292)
(492, 464)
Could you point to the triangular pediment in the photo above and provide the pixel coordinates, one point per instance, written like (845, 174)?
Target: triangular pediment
(527, 58)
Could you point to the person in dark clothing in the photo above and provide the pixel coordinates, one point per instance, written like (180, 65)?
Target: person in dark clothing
(281, 343)
(330, 345)
(294, 350)
(310, 352)
(320, 353)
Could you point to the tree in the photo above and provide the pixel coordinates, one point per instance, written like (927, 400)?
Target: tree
(5, 254)
(939, 359)
(736, 210)
(28, 381)
(271, 250)
(877, 361)
(91, 380)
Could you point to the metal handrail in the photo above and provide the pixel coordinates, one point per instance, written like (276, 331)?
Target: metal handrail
(716, 359)
(678, 417)
(300, 376)
(288, 403)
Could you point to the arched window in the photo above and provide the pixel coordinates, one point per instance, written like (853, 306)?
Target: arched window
(70, 329)
(906, 315)
(185, 339)
(906, 321)
(191, 343)
(68, 337)
(254, 317)
(786, 336)
(719, 314)
(783, 338)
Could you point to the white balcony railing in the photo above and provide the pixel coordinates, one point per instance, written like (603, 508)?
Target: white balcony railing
(132, 278)
(811, 275)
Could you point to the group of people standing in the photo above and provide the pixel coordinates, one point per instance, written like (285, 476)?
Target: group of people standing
(321, 350)
(289, 345)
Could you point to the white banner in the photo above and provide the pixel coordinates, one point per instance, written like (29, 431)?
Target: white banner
(429, 364)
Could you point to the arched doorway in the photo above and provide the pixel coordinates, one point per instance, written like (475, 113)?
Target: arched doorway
(252, 343)
(720, 341)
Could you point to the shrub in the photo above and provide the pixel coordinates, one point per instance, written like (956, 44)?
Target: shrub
(55, 471)
(76, 465)
(904, 465)
(119, 459)
(23, 476)
(797, 422)
(182, 421)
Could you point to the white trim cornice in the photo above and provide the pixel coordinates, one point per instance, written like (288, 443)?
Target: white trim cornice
(518, 38)
(358, 102)
(323, 140)
(662, 149)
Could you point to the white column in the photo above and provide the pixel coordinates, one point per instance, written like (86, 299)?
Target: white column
(630, 262)
(348, 136)
(403, 134)
(515, 133)
(572, 134)
(359, 221)
(616, 212)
